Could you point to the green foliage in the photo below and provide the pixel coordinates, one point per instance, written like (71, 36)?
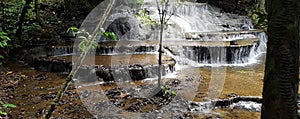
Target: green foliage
(136, 3)
(73, 30)
(173, 93)
(110, 36)
(79, 8)
(242, 71)
(4, 39)
(9, 23)
(168, 91)
(31, 30)
(4, 42)
(141, 2)
(3, 113)
(86, 38)
(4, 106)
(145, 18)
(258, 17)
(8, 105)
(52, 12)
(9, 15)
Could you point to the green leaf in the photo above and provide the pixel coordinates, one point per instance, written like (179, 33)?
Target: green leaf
(8, 105)
(82, 46)
(113, 36)
(173, 93)
(164, 89)
(3, 113)
(242, 71)
(261, 21)
(74, 29)
(85, 40)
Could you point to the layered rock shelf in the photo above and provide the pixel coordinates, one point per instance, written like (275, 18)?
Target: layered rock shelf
(220, 34)
(122, 73)
(154, 43)
(108, 68)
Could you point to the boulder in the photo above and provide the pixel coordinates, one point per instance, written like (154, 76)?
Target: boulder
(119, 26)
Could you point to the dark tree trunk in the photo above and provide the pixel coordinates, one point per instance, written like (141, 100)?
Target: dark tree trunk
(37, 9)
(282, 64)
(22, 18)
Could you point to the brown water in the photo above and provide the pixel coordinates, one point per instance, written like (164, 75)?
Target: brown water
(33, 95)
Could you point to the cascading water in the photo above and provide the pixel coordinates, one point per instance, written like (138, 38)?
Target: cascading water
(202, 22)
(222, 38)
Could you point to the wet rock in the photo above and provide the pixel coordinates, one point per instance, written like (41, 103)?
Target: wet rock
(40, 77)
(202, 1)
(119, 26)
(173, 82)
(133, 108)
(137, 72)
(119, 103)
(48, 96)
(52, 64)
(71, 94)
(107, 48)
(224, 103)
(114, 93)
(59, 50)
(105, 73)
(232, 95)
(40, 112)
(184, 116)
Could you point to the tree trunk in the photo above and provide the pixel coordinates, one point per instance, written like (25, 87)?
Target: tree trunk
(162, 20)
(282, 64)
(21, 19)
(37, 10)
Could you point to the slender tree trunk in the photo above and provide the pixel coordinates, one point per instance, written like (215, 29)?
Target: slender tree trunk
(160, 50)
(282, 64)
(37, 10)
(22, 18)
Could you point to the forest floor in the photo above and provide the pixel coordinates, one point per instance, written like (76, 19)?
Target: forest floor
(32, 91)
